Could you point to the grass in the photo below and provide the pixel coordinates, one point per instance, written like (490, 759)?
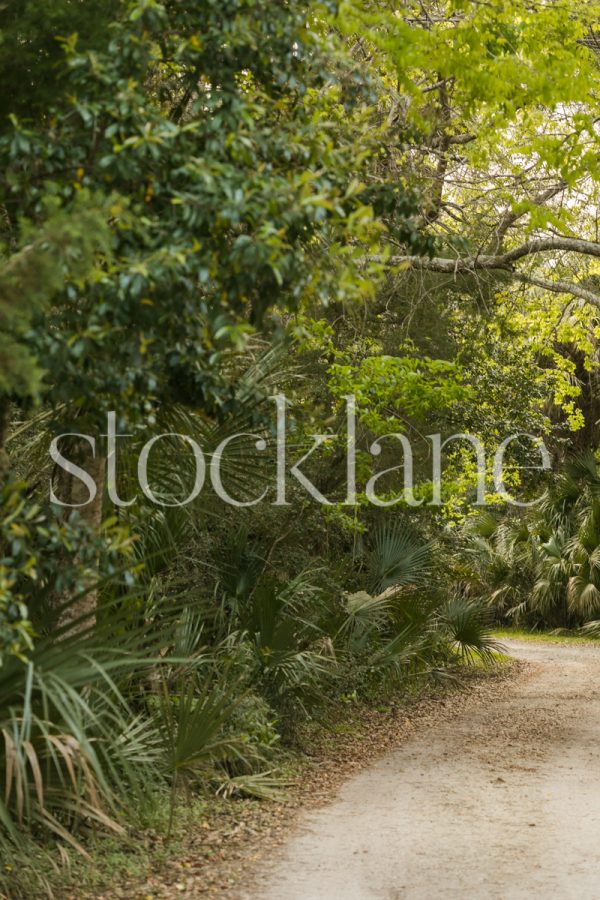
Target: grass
(498, 657)
(546, 637)
(203, 826)
(132, 857)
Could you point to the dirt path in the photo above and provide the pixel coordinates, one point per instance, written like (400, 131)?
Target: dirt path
(502, 802)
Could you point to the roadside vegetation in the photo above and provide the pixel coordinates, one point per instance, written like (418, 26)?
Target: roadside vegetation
(206, 204)
(542, 569)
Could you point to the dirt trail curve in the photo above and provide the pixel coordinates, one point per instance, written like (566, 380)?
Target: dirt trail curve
(501, 803)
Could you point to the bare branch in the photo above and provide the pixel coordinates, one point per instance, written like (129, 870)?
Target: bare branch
(561, 287)
(503, 261)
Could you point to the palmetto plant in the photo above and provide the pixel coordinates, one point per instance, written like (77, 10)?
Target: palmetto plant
(408, 627)
(74, 752)
(499, 562)
(280, 623)
(193, 712)
(397, 558)
(544, 567)
(96, 722)
(567, 585)
(583, 589)
(552, 573)
(467, 626)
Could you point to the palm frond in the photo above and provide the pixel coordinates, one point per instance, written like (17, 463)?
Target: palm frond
(398, 558)
(470, 629)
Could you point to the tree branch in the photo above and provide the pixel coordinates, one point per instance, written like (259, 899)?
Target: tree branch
(503, 261)
(449, 140)
(510, 217)
(561, 287)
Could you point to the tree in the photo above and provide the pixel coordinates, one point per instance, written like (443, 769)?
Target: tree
(64, 247)
(229, 161)
(31, 61)
(511, 144)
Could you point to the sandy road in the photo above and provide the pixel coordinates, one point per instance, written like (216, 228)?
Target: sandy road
(502, 802)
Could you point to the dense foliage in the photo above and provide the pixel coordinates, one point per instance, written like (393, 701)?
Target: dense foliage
(207, 203)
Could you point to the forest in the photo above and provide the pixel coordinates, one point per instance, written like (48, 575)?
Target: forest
(299, 390)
